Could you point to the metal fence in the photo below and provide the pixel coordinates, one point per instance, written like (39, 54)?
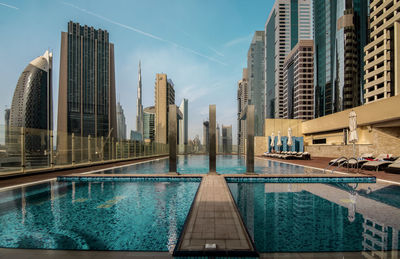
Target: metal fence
(25, 150)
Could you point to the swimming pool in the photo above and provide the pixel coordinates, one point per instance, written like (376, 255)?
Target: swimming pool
(320, 217)
(198, 164)
(132, 216)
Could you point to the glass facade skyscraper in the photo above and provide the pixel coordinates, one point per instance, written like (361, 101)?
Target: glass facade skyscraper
(87, 85)
(256, 89)
(340, 36)
(32, 107)
(288, 22)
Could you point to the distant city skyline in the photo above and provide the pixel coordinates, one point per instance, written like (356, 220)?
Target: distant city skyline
(202, 56)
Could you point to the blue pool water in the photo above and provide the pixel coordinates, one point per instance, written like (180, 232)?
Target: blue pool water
(142, 216)
(198, 164)
(320, 217)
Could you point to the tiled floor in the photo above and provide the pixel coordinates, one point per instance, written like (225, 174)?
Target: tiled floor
(322, 163)
(214, 220)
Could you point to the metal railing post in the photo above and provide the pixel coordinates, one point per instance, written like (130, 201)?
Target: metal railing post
(89, 149)
(23, 149)
(51, 149)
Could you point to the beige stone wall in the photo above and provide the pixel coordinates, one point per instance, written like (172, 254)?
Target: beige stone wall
(384, 141)
(260, 145)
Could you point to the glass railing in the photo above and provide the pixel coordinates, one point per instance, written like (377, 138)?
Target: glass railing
(25, 150)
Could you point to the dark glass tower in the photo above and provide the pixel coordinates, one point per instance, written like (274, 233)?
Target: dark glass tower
(87, 85)
(340, 37)
(31, 108)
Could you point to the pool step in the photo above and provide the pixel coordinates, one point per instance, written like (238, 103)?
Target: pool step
(214, 220)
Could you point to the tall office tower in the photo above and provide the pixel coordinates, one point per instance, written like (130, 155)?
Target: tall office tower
(256, 88)
(227, 139)
(32, 107)
(340, 34)
(139, 106)
(121, 124)
(86, 100)
(382, 54)
(298, 82)
(242, 97)
(149, 114)
(288, 22)
(183, 123)
(206, 135)
(6, 127)
(164, 96)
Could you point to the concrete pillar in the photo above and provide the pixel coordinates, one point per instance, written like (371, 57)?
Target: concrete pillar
(102, 148)
(212, 139)
(89, 148)
(250, 140)
(172, 133)
(51, 149)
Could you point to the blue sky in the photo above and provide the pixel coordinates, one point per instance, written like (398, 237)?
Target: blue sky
(201, 45)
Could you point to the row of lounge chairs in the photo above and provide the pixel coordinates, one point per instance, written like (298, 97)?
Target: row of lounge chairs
(289, 155)
(367, 161)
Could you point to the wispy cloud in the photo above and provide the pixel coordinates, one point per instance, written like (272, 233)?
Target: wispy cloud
(147, 34)
(244, 39)
(216, 52)
(9, 6)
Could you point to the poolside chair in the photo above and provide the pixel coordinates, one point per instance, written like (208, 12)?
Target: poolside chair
(394, 168)
(379, 162)
(337, 161)
(364, 158)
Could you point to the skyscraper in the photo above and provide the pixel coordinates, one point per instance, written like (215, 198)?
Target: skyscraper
(86, 102)
(149, 114)
(242, 96)
(382, 54)
(121, 124)
(256, 84)
(32, 106)
(340, 36)
(139, 106)
(288, 22)
(6, 126)
(164, 96)
(183, 123)
(298, 82)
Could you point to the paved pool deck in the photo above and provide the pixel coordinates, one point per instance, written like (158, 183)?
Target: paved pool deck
(215, 220)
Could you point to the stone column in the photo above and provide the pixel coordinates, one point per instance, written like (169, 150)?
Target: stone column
(250, 140)
(212, 139)
(172, 133)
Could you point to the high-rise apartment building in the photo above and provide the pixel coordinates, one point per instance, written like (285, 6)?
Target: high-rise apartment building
(242, 97)
(121, 124)
(256, 84)
(298, 82)
(340, 34)
(32, 107)
(86, 101)
(183, 123)
(288, 22)
(227, 139)
(139, 106)
(149, 114)
(382, 54)
(164, 96)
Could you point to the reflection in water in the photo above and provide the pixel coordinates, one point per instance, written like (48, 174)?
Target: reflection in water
(95, 216)
(317, 217)
(198, 164)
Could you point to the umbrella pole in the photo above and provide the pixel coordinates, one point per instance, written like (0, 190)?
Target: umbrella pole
(354, 150)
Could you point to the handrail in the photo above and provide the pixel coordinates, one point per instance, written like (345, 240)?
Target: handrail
(353, 158)
(334, 162)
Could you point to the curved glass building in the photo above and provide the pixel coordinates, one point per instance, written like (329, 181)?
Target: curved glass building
(31, 107)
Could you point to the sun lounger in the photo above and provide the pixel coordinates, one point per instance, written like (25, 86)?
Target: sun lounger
(337, 161)
(394, 168)
(379, 163)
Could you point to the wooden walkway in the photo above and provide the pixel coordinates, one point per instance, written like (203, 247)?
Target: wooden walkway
(214, 219)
